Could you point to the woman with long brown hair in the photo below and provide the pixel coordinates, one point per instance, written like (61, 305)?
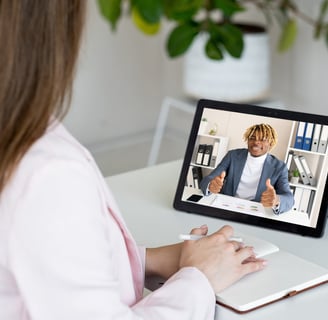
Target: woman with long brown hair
(65, 252)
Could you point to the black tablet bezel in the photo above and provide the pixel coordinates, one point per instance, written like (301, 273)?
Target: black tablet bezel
(194, 207)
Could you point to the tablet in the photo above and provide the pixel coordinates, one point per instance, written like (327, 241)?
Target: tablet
(257, 165)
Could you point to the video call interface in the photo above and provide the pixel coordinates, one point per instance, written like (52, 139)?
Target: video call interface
(300, 145)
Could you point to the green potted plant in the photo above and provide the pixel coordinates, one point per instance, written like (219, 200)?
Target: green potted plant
(216, 22)
(214, 17)
(295, 176)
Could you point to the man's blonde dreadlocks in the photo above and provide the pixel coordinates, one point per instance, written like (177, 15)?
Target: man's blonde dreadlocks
(262, 132)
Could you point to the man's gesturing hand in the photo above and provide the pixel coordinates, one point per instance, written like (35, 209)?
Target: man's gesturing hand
(269, 197)
(216, 184)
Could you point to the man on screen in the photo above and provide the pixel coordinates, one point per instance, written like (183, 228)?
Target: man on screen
(253, 173)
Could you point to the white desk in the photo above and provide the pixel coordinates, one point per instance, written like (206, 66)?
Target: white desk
(145, 197)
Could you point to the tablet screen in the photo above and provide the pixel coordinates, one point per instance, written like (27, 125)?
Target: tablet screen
(256, 165)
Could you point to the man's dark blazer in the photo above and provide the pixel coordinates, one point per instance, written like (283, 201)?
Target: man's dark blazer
(233, 164)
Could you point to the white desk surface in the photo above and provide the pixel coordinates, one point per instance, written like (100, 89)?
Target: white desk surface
(145, 197)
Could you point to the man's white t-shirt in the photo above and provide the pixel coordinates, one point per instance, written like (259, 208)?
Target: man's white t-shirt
(250, 177)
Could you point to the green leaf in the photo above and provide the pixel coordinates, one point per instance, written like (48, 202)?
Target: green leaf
(228, 7)
(230, 37)
(180, 39)
(288, 35)
(233, 40)
(110, 10)
(181, 10)
(144, 26)
(150, 10)
(323, 10)
(320, 20)
(213, 50)
(326, 38)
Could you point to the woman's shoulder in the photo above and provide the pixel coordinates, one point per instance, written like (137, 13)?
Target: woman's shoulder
(56, 144)
(55, 148)
(54, 155)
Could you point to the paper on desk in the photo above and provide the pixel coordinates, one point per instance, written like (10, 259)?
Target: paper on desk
(236, 204)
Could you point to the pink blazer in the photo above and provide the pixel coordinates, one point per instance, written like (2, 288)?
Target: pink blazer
(66, 253)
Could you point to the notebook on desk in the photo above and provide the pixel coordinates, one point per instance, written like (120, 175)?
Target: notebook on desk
(301, 136)
(285, 276)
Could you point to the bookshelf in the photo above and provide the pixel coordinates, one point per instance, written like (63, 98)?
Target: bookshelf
(208, 152)
(215, 150)
(307, 152)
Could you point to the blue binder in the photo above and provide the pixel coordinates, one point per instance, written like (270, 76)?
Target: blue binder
(300, 135)
(307, 139)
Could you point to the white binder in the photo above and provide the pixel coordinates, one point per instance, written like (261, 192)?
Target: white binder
(301, 170)
(297, 198)
(207, 154)
(316, 137)
(310, 204)
(200, 154)
(213, 163)
(289, 159)
(190, 180)
(195, 176)
(307, 171)
(304, 204)
(323, 139)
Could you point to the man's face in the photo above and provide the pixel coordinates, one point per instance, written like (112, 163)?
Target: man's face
(258, 147)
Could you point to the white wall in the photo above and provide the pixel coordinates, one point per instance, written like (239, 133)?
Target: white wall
(233, 125)
(299, 76)
(118, 83)
(123, 77)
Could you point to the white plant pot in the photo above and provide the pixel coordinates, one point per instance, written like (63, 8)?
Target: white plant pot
(294, 180)
(237, 80)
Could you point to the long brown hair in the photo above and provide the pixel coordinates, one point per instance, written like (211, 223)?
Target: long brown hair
(39, 41)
